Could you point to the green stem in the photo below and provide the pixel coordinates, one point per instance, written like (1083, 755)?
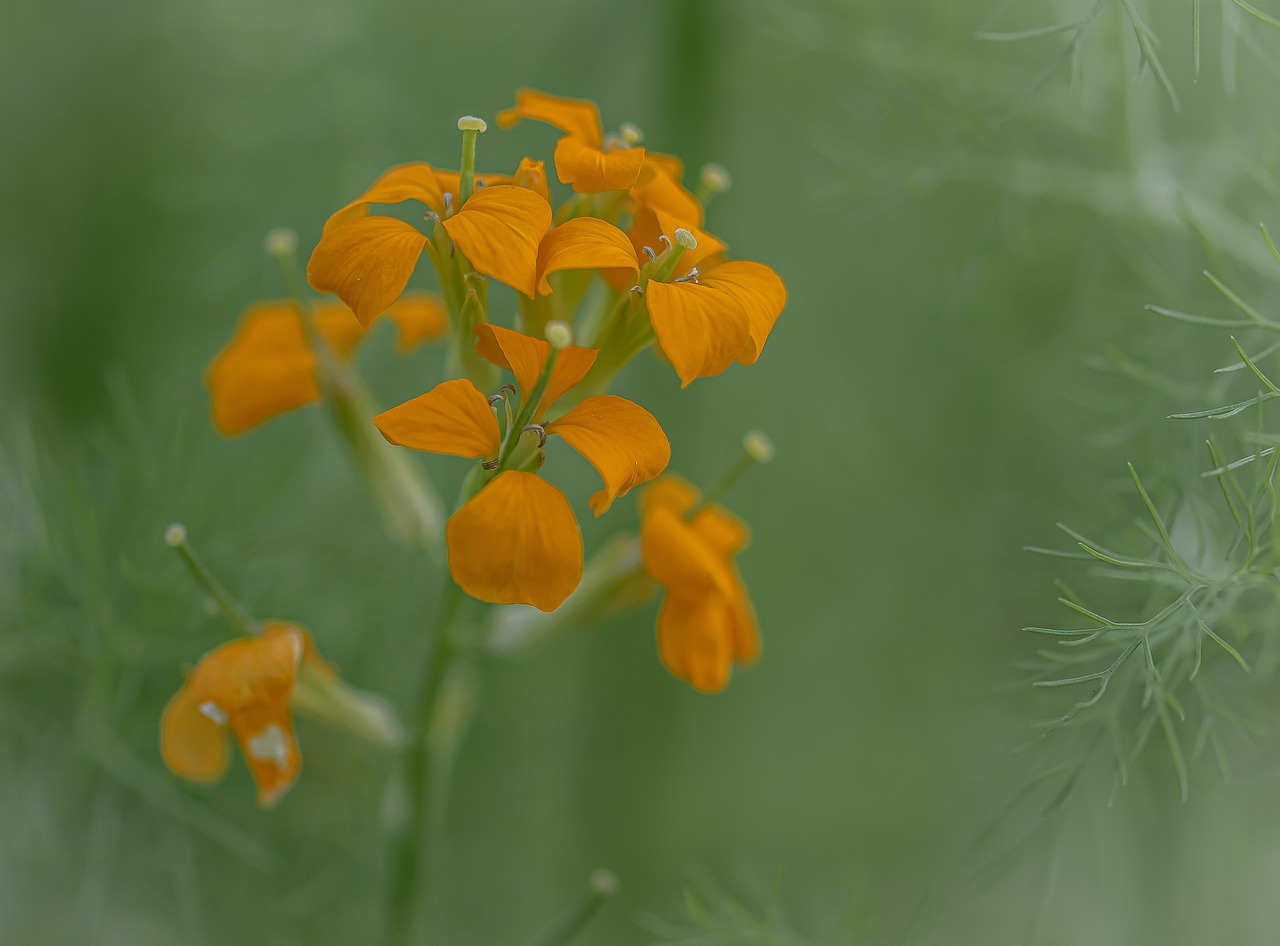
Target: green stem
(230, 608)
(409, 870)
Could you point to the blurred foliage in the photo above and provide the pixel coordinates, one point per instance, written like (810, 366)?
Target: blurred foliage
(970, 231)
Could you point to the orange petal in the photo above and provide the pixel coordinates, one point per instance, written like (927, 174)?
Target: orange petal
(533, 175)
(670, 492)
(266, 369)
(499, 229)
(761, 294)
(525, 356)
(694, 641)
(419, 317)
(416, 181)
(677, 559)
(516, 542)
(721, 530)
(577, 117)
(453, 418)
(366, 263)
(591, 170)
(192, 744)
(668, 165)
(620, 439)
(702, 329)
(585, 243)
(264, 730)
(338, 326)
(658, 190)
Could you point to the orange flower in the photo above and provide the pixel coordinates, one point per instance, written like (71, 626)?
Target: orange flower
(706, 623)
(516, 540)
(244, 686)
(583, 158)
(367, 261)
(269, 366)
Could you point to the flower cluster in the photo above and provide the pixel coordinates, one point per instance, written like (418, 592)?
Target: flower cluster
(621, 264)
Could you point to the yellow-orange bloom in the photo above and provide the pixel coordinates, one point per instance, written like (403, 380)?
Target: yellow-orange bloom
(582, 157)
(269, 366)
(367, 261)
(517, 540)
(706, 623)
(244, 686)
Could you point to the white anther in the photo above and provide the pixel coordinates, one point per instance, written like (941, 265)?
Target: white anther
(210, 709)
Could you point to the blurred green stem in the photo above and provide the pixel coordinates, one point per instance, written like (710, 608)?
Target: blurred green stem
(410, 873)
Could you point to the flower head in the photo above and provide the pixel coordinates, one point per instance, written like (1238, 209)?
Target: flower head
(584, 159)
(244, 686)
(706, 623)
(516, 540)
(269, 366)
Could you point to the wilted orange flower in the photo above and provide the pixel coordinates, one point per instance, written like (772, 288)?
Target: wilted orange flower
(367, 261)
(517, 540)
(269, 366)
(706, 623)
(583, 158)
(244, 686)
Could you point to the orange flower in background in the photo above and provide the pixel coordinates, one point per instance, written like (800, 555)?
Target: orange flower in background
(244, 686)
(366, 261)
(517, 540)
(269, 366)
(583, 158)
(706, 623)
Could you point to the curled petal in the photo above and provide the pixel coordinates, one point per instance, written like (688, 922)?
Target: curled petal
(516, 542)
(761, 294)
(264, 730)
(366, 263)
(533, 175)
(416, 181)
(694, 641)
(620, 439)
(266, 369)
(676, 558)
(453, 418)
(192, 745)
(671, 492)
(722, 531)
(418, 317)
(577, 117)
(585, 243)
(590, 170)
(702, 329)
(499, 229)
(525, 357)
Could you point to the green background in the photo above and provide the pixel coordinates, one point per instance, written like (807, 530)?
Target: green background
(968, 230)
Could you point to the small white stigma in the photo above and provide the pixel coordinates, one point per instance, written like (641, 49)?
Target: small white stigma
(175, 535)
(281, 241)
(686, 239)
(210, 709)
(630, 134)
(270, 745)
(559, 334)
(471, 123)
(758, 446)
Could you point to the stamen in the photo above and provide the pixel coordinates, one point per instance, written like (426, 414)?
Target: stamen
(448, 202)
(666, 239)
(630, 134)
(686, 239)
(690, 276)
(509, 388)
(715, 178)
(496, 399)
(175, 535)
(758, 446)
(542, 434)
(480, 182)
(648, 251)
(489, 464)
(432, 216)
(558, 334)
(471, 123)
(281, 241)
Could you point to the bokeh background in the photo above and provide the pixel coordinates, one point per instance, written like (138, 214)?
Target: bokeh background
(969, 229)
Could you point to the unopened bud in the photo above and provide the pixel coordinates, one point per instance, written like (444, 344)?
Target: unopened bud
(559, 334)
(471, 123)
(281, 241)
(686, 239)
(758, 446)
(603, 882)
(175, 535)
(715, 178)
(631, 134)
